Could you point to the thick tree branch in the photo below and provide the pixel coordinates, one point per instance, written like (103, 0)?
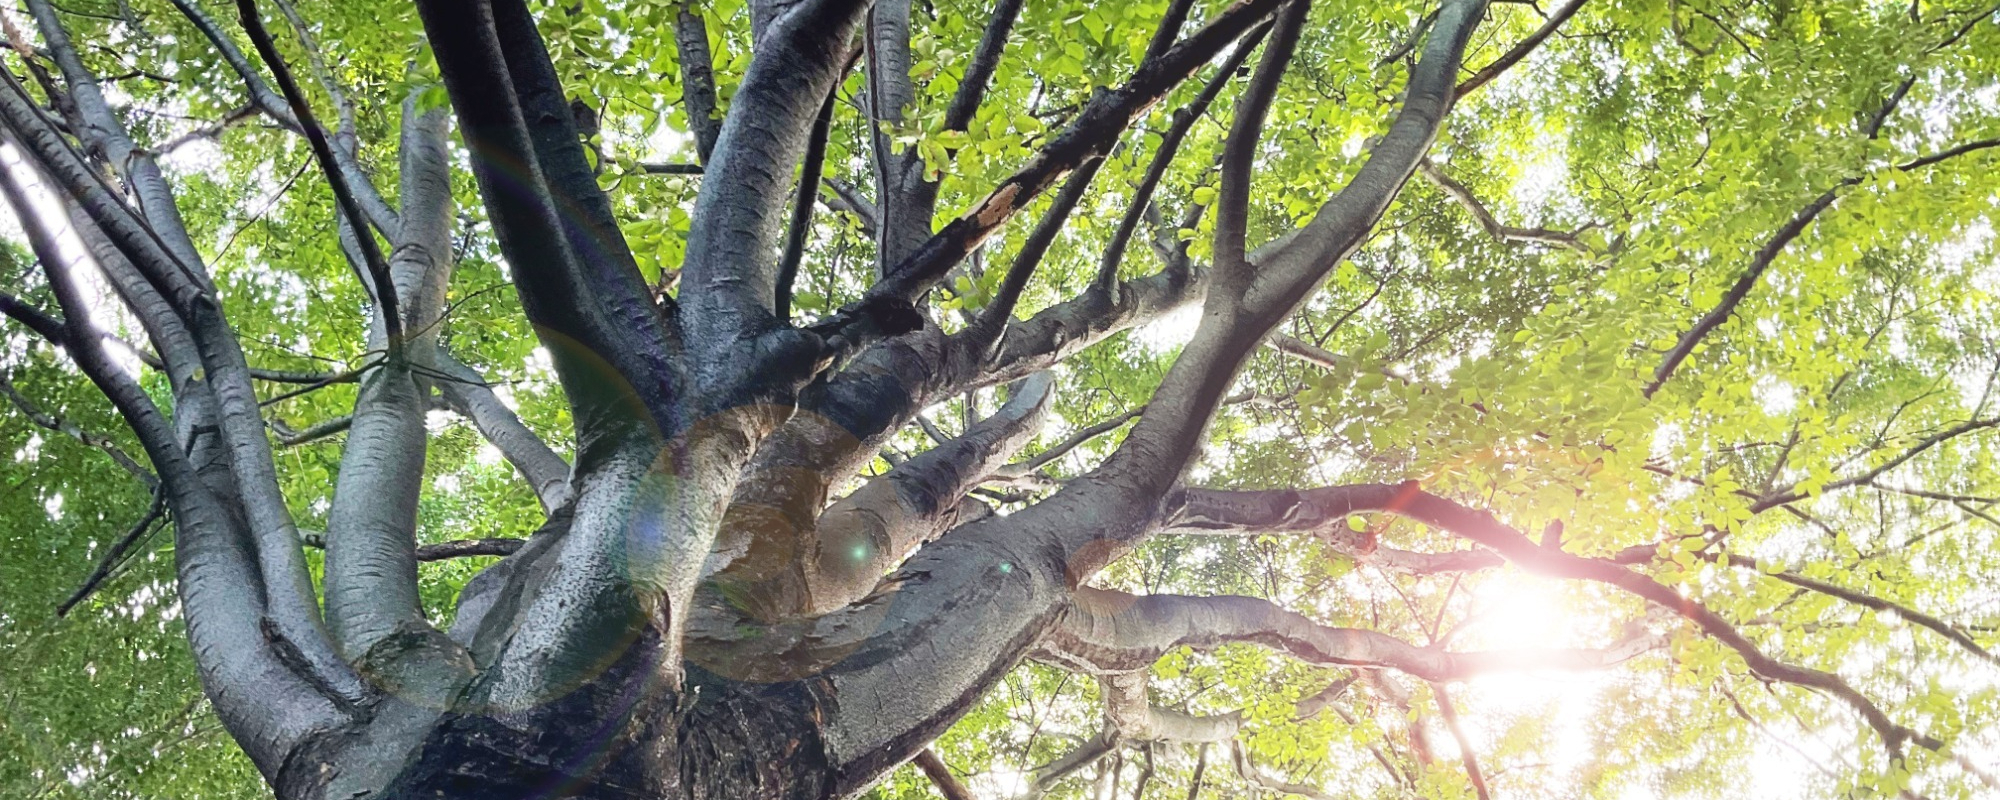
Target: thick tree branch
(1239, 148)
(1110, 631)
(1136, 718)
(104, 132)
(371, 569)
(267, 706)
(901, 191)
(852, 415)
(584, 324)
(158, 247)
(728, 281)
(780, 568)
(583, 209)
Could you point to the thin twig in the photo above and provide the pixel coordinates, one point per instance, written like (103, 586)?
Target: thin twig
(116, 555)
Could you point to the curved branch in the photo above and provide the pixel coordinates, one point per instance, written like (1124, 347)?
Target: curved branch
(43, 323)
(783, 571)
(115, 554)
(1136, 718)
(1791, 230)
(1086, 753)
(1938, 626)
(468, 394)
(1792, 494)
(1410, 501)
(1074, 441)
(1506, 233)
(1112, 631)
(442, 551)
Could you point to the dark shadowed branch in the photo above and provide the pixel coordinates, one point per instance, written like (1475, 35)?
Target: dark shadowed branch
(378, 267)
(1183, 122)
(1449, 710)
(1090, 134)
(116, 553)
(697, 81)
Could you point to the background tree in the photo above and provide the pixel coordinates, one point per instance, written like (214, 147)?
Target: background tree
(1063, 398)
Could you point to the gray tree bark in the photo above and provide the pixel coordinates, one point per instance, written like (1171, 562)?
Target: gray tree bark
(700, 617)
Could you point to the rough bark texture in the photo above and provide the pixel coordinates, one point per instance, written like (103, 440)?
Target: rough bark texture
(701, 617)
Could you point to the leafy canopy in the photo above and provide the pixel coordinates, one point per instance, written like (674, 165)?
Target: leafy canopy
(1832, 430)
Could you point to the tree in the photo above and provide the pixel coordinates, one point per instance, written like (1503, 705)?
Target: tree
(886, 383)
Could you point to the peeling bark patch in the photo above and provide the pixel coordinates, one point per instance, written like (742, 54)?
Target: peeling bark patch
(997, 208)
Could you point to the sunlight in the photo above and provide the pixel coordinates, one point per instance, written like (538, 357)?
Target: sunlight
(103, 307)
(1169, 332)
(1516, 610)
